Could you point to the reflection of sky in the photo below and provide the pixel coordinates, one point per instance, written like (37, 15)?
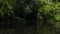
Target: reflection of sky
(27, 9)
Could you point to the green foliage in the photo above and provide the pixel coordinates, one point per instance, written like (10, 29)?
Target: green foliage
(46, 10)
(50, 12)
(57, 25)
(57, 16)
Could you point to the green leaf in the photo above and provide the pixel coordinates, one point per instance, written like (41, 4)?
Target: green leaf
(57, 16)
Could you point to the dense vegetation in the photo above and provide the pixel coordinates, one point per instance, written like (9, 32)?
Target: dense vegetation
(30, 16)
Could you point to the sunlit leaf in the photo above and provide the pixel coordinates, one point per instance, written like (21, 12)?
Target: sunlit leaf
(57, 16)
